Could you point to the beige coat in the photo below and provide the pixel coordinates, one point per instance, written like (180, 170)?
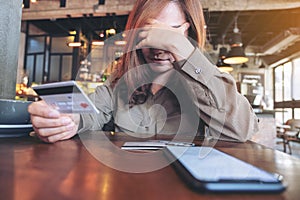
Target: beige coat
(201, 91)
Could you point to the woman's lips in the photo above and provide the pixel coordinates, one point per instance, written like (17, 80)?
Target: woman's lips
(160, 58)
(153, 60)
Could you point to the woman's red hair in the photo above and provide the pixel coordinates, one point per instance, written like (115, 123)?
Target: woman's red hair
(142, 11)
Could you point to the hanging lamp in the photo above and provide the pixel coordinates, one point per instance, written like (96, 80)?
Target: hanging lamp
(236, 55)
(224, 67)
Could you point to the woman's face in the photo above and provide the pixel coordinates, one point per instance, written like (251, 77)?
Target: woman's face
(161, 61)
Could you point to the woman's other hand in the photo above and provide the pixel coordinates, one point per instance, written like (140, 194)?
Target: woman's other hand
(171, 38)
(50, 125)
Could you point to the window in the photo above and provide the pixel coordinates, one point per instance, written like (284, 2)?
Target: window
(36, 44)
(278, 83)
(287, 114)
(286, 92)
(283, 115)
(296, 79)
(287, 74)
(297, 113)
(35, 58)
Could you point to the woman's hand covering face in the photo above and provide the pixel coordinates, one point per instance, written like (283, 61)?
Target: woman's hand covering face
(157, 35)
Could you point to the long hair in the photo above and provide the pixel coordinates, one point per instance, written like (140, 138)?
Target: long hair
(132, 58)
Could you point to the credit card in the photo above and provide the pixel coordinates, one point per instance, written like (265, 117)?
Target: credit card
(154, 144)
(66, 97)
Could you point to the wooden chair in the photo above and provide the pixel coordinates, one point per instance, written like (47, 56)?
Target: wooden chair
(289, 132)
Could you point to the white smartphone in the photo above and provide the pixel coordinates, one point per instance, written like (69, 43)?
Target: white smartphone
(66, 97)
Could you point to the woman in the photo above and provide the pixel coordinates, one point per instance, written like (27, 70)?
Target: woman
(162, 85)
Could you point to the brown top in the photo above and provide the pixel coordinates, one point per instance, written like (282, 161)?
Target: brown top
(31, 169)
(202, 91)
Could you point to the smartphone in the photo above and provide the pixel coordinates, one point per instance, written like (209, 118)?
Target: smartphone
(66, 97)
(208, 169)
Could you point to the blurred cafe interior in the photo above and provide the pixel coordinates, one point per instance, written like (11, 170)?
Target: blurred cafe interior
(61, 40)
(257, 42)
(45, 41)
(70, 40)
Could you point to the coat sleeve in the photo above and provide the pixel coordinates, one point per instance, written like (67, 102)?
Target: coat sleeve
(102, 98)
(227, 113)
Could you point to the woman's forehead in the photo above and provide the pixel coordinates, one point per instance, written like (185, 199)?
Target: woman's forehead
(171, 15)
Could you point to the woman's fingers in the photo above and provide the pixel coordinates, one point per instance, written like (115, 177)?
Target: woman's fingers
(50, 125)
(51, 130)
(57, 137)
(41, 122)
(42, 109)
(161, 36)
(142, 34)
(157, 38)
(54, 133)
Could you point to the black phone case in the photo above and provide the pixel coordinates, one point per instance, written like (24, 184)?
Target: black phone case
(223, 186)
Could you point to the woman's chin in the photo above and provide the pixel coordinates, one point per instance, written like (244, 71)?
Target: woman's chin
(161, 67)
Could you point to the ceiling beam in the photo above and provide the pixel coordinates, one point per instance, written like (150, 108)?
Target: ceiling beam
(247, 5)
(75, 8)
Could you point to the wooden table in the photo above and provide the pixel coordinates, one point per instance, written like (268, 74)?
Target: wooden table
(31, 169)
